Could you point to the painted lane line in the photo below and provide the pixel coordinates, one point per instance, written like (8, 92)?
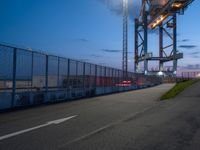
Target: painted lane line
(58, 121)
(101, 129)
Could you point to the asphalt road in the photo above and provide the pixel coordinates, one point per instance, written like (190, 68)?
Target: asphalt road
(133, 120)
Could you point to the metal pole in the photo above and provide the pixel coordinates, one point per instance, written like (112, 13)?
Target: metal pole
(58, 74)
(112, 76)
(105, 78)
(68, 69)
(182, 75)
(76, 68)
(174, 44)
(90, 76)
(68, 74)
(118, 78)
(91, 69)
(136, 45)
(161, 47)
(84, 76)
(46, 75)
(145, 42)
(14, 76)
(32, 65)
(125, 38)
(95, 78)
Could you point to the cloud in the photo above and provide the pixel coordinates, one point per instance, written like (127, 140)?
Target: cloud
(84, 40)
(96, 56)
(113, 51)
(192, 66)
(185, 40)
(195, 53)
(196, 56)
(188, 46)
(116, 7)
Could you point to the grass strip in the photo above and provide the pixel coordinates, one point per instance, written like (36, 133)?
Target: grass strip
(178, 88)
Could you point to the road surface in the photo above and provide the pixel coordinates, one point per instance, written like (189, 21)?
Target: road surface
(134, 120)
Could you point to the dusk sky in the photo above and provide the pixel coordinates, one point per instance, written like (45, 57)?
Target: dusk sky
(87, 30)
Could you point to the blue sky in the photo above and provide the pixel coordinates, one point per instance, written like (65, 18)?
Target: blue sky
(88, 30)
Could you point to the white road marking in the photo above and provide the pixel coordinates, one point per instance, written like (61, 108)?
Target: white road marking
(58, 121)
(107, 126)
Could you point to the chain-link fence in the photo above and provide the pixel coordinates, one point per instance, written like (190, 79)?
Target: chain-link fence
(29, 78)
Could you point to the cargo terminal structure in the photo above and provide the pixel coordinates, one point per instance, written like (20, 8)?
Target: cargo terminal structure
(161, 15)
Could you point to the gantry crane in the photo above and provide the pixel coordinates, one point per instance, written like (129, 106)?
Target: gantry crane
(160, 14)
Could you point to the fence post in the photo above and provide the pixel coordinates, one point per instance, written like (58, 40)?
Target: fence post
(76, 69)
(182, 76)
(104, 78)
(14, 76)
(90, 69)
(46, 76)
(84, 78)
(91, 86)
(118, 79)
(112, 80)
(103, 74)
(95, 78)
(32, 72)
(68, 74)
(58, 74)
(68, 71)
(101, 78)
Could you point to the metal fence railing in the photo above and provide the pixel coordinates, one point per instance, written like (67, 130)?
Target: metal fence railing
(29, 78)
(191, 75)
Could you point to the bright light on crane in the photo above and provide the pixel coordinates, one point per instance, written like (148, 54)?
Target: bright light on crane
(158, 21)
(167, 8)
(177, 5)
